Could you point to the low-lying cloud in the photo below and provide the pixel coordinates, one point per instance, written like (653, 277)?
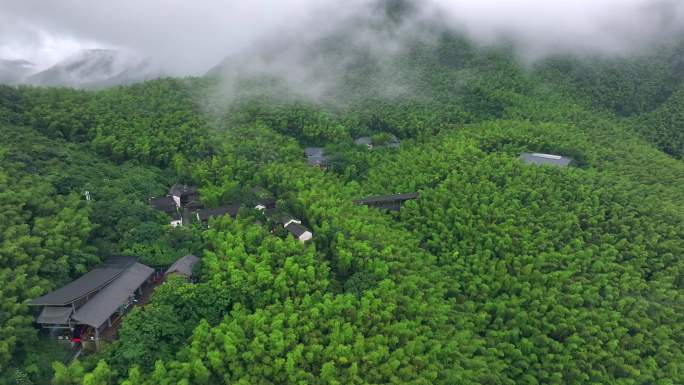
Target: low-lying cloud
(190, 37)
(589, 26)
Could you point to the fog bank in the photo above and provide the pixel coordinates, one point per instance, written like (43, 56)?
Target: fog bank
(188, 38)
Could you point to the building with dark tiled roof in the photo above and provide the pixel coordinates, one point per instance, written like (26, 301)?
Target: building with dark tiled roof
(316, 156)
(203, 215)
(185, 195)
(93, 300)
(289, 223)
(389, 140)
(263, 198)
(285, 219)
(364, 141)
(165, 204)
(300, 232)
(388, 202)
(184, 266)
(545, 159)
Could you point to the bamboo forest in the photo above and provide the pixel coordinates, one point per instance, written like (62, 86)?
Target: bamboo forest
(449, 214)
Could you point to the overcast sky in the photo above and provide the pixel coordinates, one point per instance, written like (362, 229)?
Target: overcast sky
(189, 37)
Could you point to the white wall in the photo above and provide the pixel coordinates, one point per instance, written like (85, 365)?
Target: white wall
(306, 236)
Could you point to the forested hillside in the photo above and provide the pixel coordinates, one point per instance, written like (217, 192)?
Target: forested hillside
(499, 273)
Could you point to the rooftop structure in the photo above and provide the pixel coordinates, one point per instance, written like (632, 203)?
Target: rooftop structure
(389, 202)
(393, 141)
(541, 159)
(87, 284)
(184, 266)
(364, 141)
(55, 315)
(203, 215)
(388, 140)
(298, 231)
(100, 308)
(179, 189)
(185, 195)
(289, 223)
(165, 204)
(316, 156)
(286, 219)
(264, 199)
(91, 301)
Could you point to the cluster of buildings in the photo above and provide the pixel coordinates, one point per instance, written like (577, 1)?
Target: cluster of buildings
(84, 309)
(292, 225)
(394, 202)
(317, 157)
(182, 202)
(183, 205)
(265, 202)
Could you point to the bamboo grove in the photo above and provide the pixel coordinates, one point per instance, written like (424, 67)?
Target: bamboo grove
(500, 273)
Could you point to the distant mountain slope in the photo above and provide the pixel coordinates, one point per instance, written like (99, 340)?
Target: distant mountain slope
(14, 71)
(665, 126)
(363, 55)
(94, 68)
(626, 86)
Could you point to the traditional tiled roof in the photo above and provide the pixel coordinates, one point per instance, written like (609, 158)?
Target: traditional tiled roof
(386, 198)
(540, 159)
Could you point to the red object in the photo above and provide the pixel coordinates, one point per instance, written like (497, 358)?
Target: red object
(76, 340)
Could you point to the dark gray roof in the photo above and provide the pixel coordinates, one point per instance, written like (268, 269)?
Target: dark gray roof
(267, 201)
(317, 160)
(296, 229)
(55, 315)
(264, 197)
(184, 265)
(90, 282)
(387, 198)
(231, 210)
(315, 156)
(106, 302)
(539, 159)
(283, 218)
(260, 191)
(179, 189)
(393, 141)
(165, 204)
(363, 141)
(314, 151)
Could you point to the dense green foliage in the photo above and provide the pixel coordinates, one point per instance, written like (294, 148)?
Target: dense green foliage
(51, 234)
(664, 125)
(165, 122)
(500, 273)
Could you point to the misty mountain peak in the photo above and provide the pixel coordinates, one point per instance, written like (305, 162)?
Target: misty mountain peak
(398, 10)
(12, 71)
(93, 68)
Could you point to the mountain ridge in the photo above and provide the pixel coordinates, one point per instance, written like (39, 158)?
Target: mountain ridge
(86, 68)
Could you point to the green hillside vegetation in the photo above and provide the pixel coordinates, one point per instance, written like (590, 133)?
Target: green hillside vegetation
(663, 127)
(500, 273)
